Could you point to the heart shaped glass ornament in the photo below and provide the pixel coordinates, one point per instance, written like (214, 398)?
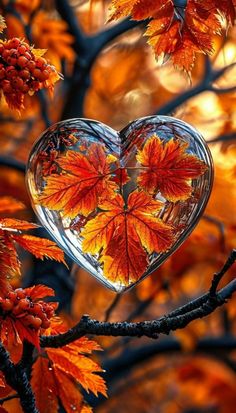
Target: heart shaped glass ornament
(119, 203)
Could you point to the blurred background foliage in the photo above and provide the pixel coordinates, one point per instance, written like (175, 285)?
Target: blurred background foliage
(110, 74)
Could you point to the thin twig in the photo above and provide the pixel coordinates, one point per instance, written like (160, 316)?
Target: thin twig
(7, 398)
(219, 275)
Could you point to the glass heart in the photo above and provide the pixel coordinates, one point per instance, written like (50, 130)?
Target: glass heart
(119, 203)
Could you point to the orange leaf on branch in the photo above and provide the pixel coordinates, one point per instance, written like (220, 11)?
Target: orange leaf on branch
(11, 233)
(178, 30)
(62, 370)
(168, 168)
(126, 233)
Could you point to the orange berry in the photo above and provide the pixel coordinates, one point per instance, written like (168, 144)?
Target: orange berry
(24, 74)
(37, 322)
(25, 88)
(45, 324)
(20, 293)
(2, 73)
(11, 60)
(22, 49)
(24, 304)
(5, 54)
(22, 61)
(31, 65)
(41, 62)
(17, 83)
(29, 319)
(12, 296)
(6, 86)
(13, 43)
(45, 74)
(7, 305)
(37, 73)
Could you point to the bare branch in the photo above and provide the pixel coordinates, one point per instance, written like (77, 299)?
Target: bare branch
(177, 319)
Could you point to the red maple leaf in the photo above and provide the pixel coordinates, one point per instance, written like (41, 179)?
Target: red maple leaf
(124, 234)
(168, 168)
(84, 179)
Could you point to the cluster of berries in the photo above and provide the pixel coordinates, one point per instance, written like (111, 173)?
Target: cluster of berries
(34, 315)
(21, 71)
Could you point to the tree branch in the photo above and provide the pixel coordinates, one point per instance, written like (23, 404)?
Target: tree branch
(206, 84)
(16, 377)
(177, 319)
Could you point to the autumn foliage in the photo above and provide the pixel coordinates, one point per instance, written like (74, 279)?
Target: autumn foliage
(179, 29)
(120, 60)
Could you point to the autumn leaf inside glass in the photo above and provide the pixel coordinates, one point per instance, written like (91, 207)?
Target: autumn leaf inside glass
(120, 203)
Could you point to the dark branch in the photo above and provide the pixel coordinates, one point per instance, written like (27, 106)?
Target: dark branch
(16, 377)
(177, 319)
(206, 84)
(219, 275)
(223, 138)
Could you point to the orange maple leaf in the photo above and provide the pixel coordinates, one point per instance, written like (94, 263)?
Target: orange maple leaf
(125, 233)
(84, 179)
(178, 32)
(63, 369)
(10, 233)
(44, 386)
(50, 384)
(168, 168)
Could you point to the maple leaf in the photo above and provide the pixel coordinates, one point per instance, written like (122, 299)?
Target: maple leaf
(169, 168)
(10, 233)
(178, 32)
(125, 234)
(63, 369)
(40, 247)
(84, 179)
(44, 386)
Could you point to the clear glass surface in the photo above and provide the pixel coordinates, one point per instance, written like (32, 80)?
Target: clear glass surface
(119, 203)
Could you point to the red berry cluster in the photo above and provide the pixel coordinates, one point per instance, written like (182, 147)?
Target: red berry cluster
(21, 71)
(18, 305)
